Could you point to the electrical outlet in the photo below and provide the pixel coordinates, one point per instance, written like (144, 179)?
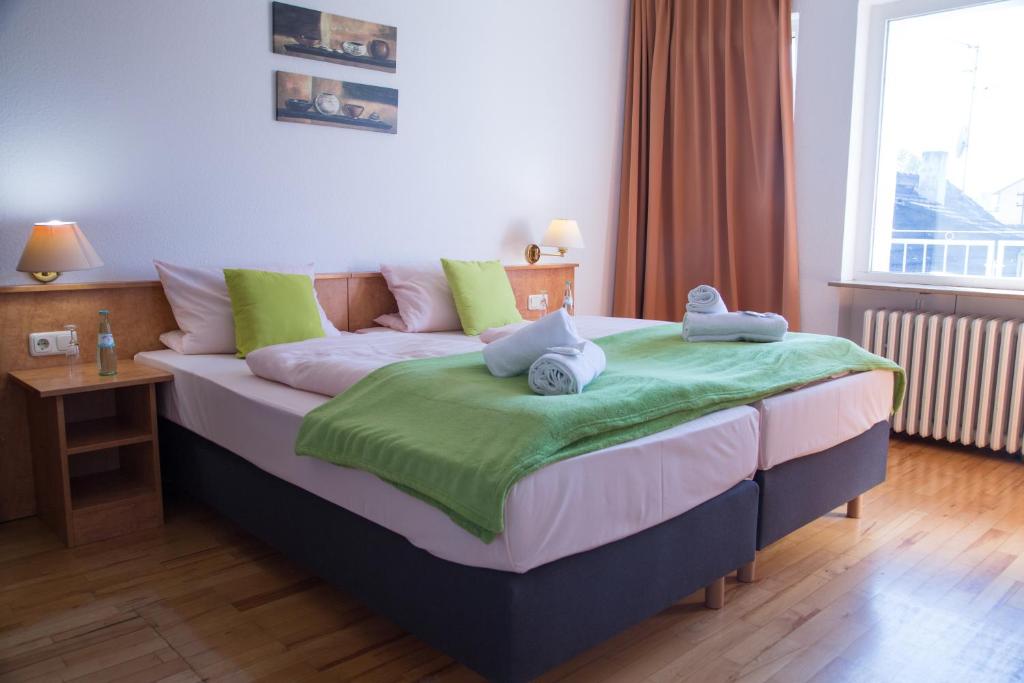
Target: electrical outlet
(48, 343)
(537, 302)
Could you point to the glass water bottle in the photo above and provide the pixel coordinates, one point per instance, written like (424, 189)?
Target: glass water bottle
(567, 302)
(106, 352)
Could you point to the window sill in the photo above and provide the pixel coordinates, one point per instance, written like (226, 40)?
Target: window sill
(946, 290)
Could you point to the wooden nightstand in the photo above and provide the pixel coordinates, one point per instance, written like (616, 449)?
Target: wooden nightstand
(94, 449)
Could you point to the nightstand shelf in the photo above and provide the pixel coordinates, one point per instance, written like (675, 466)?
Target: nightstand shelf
(104, 432)
(94, 449)
(106, 488)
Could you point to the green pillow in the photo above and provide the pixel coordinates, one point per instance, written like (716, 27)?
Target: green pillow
(271, 308)
(483, 295)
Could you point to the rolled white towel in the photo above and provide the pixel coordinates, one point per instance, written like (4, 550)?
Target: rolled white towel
(567, 369)
(705, 299)
(739, 326)
(493, 334)
(512, 355)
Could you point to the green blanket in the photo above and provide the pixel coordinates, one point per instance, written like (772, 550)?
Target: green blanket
(446, 431)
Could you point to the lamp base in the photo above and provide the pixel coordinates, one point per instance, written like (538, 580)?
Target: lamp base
(46, 276)
(533, 253)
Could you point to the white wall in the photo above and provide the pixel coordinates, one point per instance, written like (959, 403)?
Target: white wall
(824, 92)
(824, 103)
(151, 124)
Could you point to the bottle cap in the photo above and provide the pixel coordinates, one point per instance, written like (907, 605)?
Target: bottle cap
(104, 311)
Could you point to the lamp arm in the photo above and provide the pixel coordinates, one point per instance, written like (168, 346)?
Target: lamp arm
(534, 253)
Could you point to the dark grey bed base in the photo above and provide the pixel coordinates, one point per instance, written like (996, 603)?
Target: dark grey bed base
(506, 626)
(800, 491)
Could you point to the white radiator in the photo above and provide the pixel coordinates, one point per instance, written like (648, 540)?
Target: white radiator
(965, 375)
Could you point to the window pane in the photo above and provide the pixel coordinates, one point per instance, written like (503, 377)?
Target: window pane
(977, 260)
(933, 256)
(1012, 261)
(951, 149)
(915, 258)
(956, 259)
(896, 257)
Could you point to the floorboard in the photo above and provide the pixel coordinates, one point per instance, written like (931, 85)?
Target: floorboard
(927, 586)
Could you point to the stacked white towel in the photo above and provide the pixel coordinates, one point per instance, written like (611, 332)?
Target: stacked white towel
(567, 369)
(707, 319)
(513, 355)
(739, 326)
(705, 299)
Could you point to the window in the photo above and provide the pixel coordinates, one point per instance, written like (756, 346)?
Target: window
(942, 178)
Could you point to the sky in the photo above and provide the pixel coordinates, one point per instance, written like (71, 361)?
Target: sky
(927, 96)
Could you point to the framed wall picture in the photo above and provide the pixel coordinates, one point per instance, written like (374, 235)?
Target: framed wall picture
(327, 102)
(312, 34)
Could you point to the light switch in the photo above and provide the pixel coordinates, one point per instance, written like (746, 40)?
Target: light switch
(537, 302)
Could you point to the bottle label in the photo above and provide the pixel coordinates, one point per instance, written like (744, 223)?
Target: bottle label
(105, 341)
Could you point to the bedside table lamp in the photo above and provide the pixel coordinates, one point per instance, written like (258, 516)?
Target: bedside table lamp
(54, 247)
(562, 233)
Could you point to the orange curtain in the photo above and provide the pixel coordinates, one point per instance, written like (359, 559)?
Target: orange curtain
(707, 160)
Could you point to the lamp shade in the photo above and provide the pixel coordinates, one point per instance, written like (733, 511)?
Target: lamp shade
(563, 233)
(57, 246)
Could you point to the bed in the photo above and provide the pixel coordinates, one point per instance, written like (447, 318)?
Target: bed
(591, 545)
(569, 507)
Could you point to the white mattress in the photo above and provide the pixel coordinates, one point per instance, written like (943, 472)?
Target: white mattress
(819, 416)
(563, 509)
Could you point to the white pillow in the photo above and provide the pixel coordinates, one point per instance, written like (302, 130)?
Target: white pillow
(425, 301)
(173, 340)
(389, 320)
(202, 307)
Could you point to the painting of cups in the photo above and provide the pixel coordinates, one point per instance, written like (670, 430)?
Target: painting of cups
(327, 102)
(312, 34)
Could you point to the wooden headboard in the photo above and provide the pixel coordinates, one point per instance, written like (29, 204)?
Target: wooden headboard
(140, 314)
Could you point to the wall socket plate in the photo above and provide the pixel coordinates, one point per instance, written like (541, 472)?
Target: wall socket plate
(537, 302)
(48, 343)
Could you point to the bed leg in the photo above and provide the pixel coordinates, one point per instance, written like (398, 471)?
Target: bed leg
(714, 594)
(854, 508)
(746, 573)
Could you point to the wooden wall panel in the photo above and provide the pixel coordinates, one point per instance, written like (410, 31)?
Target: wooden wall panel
(140, 313)
(332, 293)
(549, 279)
(368, 298)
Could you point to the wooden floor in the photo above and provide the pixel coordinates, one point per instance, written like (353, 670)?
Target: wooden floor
(928, 586)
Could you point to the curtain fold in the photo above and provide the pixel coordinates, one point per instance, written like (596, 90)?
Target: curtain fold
(707, 185)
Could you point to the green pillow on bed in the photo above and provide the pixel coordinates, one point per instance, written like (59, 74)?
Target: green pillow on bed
(271, 308)
(483, 295)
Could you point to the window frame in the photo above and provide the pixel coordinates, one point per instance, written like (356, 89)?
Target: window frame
(865, 142)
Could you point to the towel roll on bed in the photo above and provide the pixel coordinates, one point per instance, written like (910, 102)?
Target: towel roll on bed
(567, 370)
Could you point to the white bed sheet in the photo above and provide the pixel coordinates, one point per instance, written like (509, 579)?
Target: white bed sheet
(563, 509)
(813, 418)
